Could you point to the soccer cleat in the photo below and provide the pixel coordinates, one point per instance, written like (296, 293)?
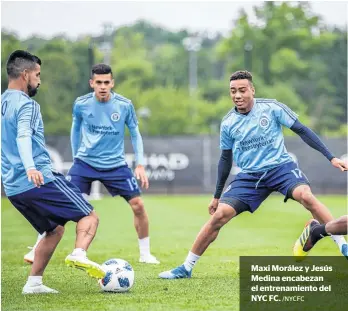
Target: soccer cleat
(29, 257)
(177, 273)
(149, 259)
(304, 243)
(93, 269)
(38, 289)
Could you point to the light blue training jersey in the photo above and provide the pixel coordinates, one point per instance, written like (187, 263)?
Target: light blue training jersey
(98, 130)
(22, 142)
(256, 139)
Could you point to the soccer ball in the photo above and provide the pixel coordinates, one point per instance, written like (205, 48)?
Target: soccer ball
(119, 276)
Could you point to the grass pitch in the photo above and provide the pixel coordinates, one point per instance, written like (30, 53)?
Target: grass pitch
(174, 224)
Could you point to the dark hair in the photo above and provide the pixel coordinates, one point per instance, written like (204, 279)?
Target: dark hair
(19, 61)
(240, 75)
(101, 69)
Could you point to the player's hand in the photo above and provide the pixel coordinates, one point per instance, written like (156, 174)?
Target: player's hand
(213, 206)
(342, 165)
(36, 177)
(140, 174)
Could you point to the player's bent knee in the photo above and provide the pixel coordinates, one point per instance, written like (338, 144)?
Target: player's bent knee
(223, 214)
(307, 197)
(137, 205)
(218, 220)
(138, 210)
(299, 192)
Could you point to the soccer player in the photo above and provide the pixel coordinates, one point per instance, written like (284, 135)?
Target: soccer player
(314, 232)
(97, 141)
(45, 198)
(252, 133)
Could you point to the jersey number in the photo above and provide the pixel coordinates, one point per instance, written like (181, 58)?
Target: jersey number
(132, 183)
(3, 107)
(297, 172)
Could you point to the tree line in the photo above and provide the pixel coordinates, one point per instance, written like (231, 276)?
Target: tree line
(293, 56)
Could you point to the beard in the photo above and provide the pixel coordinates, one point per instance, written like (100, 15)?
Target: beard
(32, 90)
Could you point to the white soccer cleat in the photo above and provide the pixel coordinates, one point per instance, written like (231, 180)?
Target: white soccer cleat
(93, 269)
(149, 259)
(38, 289)
(29, 257)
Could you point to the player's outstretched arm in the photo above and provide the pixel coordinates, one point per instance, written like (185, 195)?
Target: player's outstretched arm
(138, 147)
(27, 118)
(313, 140)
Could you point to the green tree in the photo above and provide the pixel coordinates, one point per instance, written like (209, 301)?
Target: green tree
(57, 93)
(293, 55)
(287, 48)
(9, 43)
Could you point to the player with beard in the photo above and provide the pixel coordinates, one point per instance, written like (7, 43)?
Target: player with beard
(44, 197)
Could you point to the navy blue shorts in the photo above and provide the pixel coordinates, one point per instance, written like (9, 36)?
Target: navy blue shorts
(253, 188)
(53, 204)
(118, 181)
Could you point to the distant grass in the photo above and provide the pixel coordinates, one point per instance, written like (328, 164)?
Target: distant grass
(174, 223)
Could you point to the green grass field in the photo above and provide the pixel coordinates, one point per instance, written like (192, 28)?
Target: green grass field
(174, 223)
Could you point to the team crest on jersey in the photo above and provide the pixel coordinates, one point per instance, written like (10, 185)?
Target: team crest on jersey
(68, 178)
(264, 122)
(115, 117)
